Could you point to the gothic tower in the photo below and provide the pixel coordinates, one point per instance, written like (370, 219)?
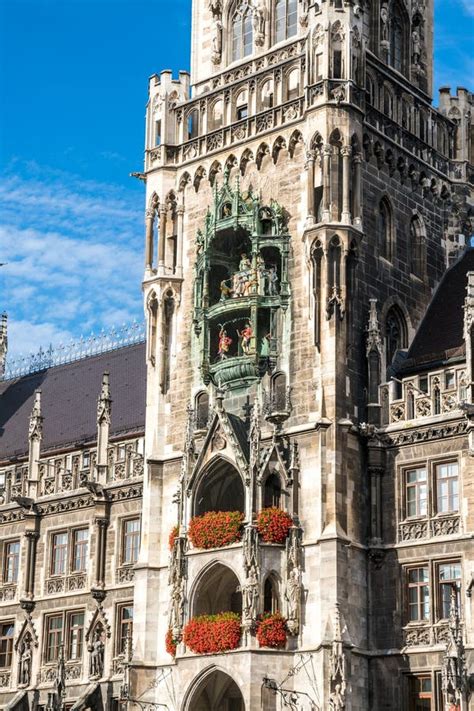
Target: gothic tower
(299, 181)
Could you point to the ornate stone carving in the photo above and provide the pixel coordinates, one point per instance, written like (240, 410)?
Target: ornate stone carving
(35, 431)
(337, 665)
(177, 585)
(5, 677)
(425, 435)
(250, 598)
(413, 530)
(76, 582)
(104, 402)
(125, 575)
(55, 585)
(259, 21)
(445, 526)
(417, 636)
(25, 659)
(454, 674)
(293, 587)
(397, 412)
(423, 407)
(8, 593)
(374, 337)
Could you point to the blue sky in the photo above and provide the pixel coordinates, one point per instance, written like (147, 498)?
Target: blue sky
(73, 86)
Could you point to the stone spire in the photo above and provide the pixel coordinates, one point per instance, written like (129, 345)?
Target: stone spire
(3, 344)
(374, 338)
(35, 435)
(104, 411)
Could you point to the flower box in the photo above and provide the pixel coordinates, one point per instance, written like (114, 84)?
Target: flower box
(271, 631)
(273, 524)
(171, 643)
(216, 529)
(173, 536)
(212, 634)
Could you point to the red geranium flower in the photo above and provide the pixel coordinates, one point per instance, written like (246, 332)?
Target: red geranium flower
(212, 634)
(171, 643)
(215, 529)
(173, 536)
(273, 524)
(271, 631)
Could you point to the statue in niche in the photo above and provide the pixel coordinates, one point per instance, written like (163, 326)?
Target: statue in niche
(217, 41)
(336, 700)
(96, 650)
(265, 346)
(176, 616)
(224, 344)
(259, 18)
(246, 338)
(416, 47)
(384, 30)
(25, 660)
(250, 596)
(293, 597)
(215, 6)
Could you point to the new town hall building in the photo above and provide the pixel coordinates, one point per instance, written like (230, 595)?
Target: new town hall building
(309, 302)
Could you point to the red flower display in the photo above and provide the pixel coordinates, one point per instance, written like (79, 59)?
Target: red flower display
(273, 524)
(215, 529)
(211, 634)
(271, 631)
(173, 536)
(171, 643)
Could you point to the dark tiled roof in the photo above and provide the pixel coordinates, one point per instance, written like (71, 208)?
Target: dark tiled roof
(69, 400)
(440, 334)
(241, 433)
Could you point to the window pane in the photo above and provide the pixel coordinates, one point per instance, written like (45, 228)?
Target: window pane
(12, 562)
(237, 38)
(131, 541)
(248, 34)
(81, 550)
(6, 644)
(125, 626)
(76, 633)
(59, 554)
(54, 637)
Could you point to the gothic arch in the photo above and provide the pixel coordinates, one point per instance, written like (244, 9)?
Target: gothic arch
(396, 330)
(296, 139)
(271, 592)
(417, 245)
(211, 675)
(247, 157)
(215, 168)
(154, 201)
(218, 487)
(316, 142)
(198, 176)
(278, 145)
(184, 181)
(214, 589)
(385, 229)
(230, 163)
(262, 151)
(239, 20)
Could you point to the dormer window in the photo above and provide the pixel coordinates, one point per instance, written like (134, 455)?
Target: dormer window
(242, 32)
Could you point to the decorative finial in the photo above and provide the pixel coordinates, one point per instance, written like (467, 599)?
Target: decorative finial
(36, 419)
(374, 337)
(104, 403)
(3, 344)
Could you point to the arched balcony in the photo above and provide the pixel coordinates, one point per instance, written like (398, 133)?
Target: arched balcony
(218, 590)
(217, 691)
(220, 489)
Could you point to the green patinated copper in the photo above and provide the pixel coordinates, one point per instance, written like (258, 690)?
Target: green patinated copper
(241, 285)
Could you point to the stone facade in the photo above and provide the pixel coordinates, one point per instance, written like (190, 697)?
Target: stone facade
(324, 118)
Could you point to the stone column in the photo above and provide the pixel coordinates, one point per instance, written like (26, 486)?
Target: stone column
(35, 436)
(346, 152)
(327, 152)
(310, 159)
(101, 524)
(31, 537)
(357, 216)
(149, 238)
(180, 236)
(162, 240)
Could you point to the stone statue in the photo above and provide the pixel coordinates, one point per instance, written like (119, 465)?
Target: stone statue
(97, 649)
(384, 31)
(337, 700)
(272, 282)
(217, 42)
(259, 18)
(176, 617)
(215, 6)
(250, 596)
(25, 659)
(226, 291)
(416, 47)
(293, 598)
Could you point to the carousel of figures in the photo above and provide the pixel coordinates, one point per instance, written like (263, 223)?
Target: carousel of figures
(264, 279)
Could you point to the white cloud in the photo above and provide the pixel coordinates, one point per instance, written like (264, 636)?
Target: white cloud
(74, 254)
(468, 6)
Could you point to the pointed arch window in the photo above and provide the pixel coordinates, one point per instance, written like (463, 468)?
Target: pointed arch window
(242, 32)
(417, 246)
(278, 390)
(317, 291)
(396, 333)
(272, 491)
(202, 410)
(397, 39)
(270, 596)
(286, 16)
(385, 230)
